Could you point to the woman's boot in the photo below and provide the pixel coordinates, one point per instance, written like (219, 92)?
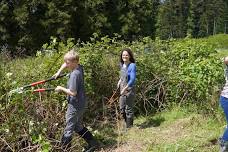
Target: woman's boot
(129, 122)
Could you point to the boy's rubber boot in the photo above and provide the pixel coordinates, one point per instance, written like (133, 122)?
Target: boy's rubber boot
(88, 137)
(92, 146)
(65, 143)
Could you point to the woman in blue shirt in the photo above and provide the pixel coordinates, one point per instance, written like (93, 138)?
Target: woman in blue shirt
(126, 85)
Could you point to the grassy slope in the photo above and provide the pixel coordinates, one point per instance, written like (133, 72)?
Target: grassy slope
(172, 131)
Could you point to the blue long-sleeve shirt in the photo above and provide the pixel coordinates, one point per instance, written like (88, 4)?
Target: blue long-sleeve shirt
(131, 72)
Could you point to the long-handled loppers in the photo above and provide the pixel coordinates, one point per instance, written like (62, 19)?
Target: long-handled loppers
(21, 89)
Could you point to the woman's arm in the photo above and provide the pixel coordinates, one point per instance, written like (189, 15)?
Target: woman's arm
(132, 75)
(132, 68)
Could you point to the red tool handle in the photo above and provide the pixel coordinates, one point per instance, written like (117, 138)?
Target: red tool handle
(38, 82)
(43, 81)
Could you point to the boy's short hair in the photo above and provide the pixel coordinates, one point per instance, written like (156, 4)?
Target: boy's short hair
(72, 55)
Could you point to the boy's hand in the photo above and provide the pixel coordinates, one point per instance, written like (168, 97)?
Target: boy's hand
(56, 75)
(63, 66)
(58, 89)
(65, 90)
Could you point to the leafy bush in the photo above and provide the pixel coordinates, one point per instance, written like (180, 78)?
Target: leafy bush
(197, 73)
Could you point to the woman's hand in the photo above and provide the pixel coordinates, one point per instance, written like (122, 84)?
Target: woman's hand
(118, 84)
(124, 90)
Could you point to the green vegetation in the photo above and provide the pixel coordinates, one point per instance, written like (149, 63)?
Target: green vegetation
(178, 83)
(27, 25)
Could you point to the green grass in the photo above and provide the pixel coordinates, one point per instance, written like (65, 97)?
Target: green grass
(222, 52)
(172, 131)
(220, 40)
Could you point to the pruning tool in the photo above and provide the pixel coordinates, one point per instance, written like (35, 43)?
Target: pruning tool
(21, 89)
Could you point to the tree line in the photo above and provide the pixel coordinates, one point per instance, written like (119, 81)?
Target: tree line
(26, 25)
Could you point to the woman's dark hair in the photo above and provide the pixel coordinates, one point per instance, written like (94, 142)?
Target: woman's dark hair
(132, 60)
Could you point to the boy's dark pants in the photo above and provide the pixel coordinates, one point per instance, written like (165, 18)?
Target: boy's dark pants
(74, 123)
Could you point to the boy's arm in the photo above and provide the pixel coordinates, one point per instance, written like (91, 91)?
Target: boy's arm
(63, 66)
(65, 90)
(73, 85)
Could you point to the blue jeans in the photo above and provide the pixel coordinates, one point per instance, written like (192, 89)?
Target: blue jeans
(224, 105)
